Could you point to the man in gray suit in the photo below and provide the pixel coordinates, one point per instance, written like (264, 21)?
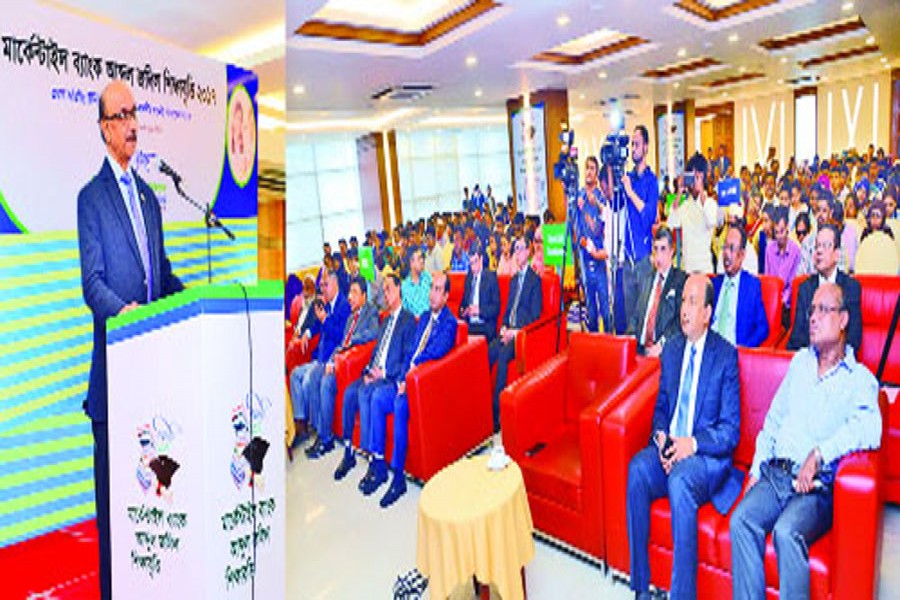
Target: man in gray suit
(123, 264)
(361, 328)
(655, 319)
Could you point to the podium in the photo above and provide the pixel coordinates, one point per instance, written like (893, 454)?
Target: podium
(196, 424)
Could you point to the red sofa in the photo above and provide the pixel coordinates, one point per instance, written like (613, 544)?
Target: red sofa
(844, 563)
(773, 305)
(561, 404)
(449, 403)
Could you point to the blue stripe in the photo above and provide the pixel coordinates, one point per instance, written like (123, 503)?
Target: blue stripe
(46, 369)
(179, 233)
(47, 529)
(40, 392)
(34, 437)
(41, 267)
(35, 462)
(40, 309)
(221, 275)
(182, 313)
(69, 404)
(26, 333)
(38, 289)
(40, 510)
(46, 484)
(38, 351)
(249, 255)
(27, 245)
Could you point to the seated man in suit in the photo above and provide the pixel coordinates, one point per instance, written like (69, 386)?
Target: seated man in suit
(740, 316)
(386, 368)
(305, 379)
(480, 304)
(656, 319)
(825, 260)
(696, 426)
(525, 297)
(361, 328)
(434, 339)
(826, 408)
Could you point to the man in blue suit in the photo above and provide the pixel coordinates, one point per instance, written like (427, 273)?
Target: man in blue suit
(480, 304)
(306, 380)
(738, 315)
(123, 264)
(524, 308)
(361, 328)
(696, 426)
(386, 368)
(434, 339)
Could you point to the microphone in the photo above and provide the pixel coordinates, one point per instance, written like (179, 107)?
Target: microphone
(165, 169)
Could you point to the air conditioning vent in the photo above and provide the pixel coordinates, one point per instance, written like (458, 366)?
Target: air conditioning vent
(407, 92)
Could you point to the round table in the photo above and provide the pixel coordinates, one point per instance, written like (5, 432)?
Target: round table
(473, 521)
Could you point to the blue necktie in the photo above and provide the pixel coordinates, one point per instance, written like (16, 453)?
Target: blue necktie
(684, 398)
(140, 232)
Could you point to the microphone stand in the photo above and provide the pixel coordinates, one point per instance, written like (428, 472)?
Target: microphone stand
(209, 218)
(562, 277)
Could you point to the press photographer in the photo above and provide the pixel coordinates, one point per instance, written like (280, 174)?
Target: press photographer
(696, 215)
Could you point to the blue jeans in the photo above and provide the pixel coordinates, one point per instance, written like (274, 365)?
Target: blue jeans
(327, 396)
(298, 395)
(382, 406)
(795, 520)
(596, 295)
(687, 488)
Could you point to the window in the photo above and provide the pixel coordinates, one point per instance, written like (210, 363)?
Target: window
(323, 196)
(805, 127)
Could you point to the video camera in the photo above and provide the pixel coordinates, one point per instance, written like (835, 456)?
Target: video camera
(566, 168)
(614, 152)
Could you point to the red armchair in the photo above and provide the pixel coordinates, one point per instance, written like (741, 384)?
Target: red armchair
(843, 563)
(561, 405)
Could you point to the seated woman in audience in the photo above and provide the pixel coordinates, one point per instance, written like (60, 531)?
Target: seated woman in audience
(861, 192)
(506, 265)
(493, 251)
(849, 239)
(876, 221)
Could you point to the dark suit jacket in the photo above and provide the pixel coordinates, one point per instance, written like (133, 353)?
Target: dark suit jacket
(331, 331)
(112, 273)
(717, 411)
(396, 361)
(800, 332)
(488, 297)
(440, 341)
(668, 314)
(529, 309)
(366, 328)
(751, 326)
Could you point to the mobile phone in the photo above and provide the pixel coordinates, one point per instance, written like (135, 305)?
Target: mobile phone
(688, 179)
(668, 446)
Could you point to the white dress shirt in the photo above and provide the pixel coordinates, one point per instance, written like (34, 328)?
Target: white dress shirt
(697, 225)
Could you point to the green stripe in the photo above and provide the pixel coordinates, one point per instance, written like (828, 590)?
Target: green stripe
(183, 225)
(43, 236)
(37, 257)
(201, 267)
(45, 380)
(47, 423)
(175, 255)
(48, 338)
(45, 496)
(36, 300)
(45, 360)
(12, 216)
(45, 472)
(11, 283)
(44, 401)
(48, 447)
(20, 530)
(264, 289)
(33, 321)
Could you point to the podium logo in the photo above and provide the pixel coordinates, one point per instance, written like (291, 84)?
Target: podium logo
(248, 420)
(156, 468)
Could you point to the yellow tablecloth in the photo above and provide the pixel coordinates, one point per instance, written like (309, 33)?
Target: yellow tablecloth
(473, 521)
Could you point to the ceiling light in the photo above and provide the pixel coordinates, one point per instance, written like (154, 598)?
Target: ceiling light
(725, 94)
(261, 46)
(677, 85)
(563, 20)
(884, 59)
(887, 66)
(478, 92)
(602, 74)
(870, 40)
(581, 96)
(733, 38)
(299, 90)
(471, 60)
(784, 60)
(780, 81)
(847, 6)
(743, 69)
(682, 52)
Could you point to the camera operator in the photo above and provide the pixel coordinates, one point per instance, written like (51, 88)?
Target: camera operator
(642, 190)
(592, 204)
(696, 214)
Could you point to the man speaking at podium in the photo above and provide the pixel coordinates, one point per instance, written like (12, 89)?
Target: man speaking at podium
(123, 264)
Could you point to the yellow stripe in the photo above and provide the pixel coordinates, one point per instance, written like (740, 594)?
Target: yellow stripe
(45, 496)
(182, 225)
(47, 423)
(47, 359)
(42, 402)
(37, 257)
(48, 447)
(217, 264)
(175, 255)
(31, 238)
(46, 472)
(36, 300)
(44, 521)
(50, 378)
(47, 338)
(43, 319)
(11, 283)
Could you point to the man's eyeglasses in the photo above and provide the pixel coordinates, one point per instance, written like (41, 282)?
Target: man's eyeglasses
(801, 234)
(824, 245)
(126, 114)
(822, 310)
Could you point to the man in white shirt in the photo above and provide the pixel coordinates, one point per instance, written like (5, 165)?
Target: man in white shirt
(697, 216)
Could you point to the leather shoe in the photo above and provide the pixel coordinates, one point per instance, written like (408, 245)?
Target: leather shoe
(397, 489)
(347, 463)
(320, 449)
(642, 596)
(379, 476)
(370, 472)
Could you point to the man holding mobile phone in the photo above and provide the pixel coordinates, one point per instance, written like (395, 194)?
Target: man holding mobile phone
(696, 215)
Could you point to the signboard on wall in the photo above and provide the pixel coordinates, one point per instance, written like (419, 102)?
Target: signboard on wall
(529, 159)
(670, 144)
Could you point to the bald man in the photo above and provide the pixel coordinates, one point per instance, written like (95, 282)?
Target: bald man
(825, 408)
(123, 264)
